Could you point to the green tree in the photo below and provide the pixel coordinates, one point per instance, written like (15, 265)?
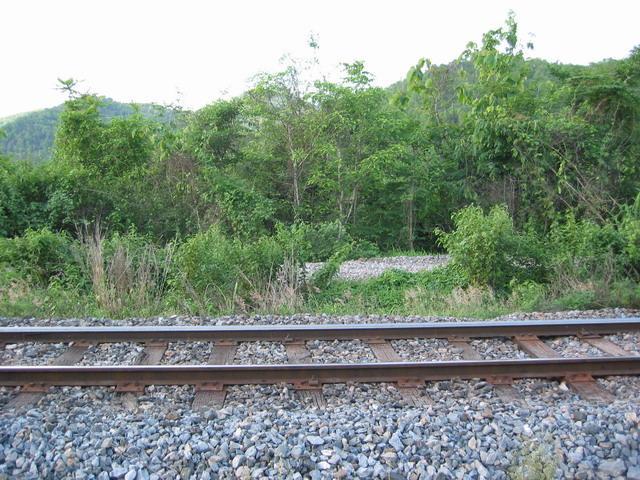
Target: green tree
(215, 133)
(284, 133)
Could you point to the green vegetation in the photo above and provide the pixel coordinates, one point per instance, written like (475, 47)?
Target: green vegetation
(525, 172)
(30, 136)
(535, 460)
(489, 250)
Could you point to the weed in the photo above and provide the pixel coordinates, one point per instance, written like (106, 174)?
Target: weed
(127, 278)
(534, 461)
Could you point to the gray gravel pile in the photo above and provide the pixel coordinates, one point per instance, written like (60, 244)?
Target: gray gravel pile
(497, 349)
(157, 396)
(306, 318)
(186, 353)
(426, 349)
(624, 388)
(340, 351)
(574, 347)
(602, 313)
(542, 390)
(629, 342)
(303, 319)
(257, 396)
(264, 432)
(30, 353)
(464, 430)
(121, 353)
(261, 353)
(374, 267)
(451, 392)
(374, 396)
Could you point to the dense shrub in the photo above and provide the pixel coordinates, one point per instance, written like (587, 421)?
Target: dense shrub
(294, 241)
(331, 267)
(395, 291)
(527, 296)
(260, 260)
(319, 242)
(215, 268)
(296, 170)
(489, 250)
(630, 231)
(325, 239)
(23, 197)
(207, 262)
(582, 248)
(443, 279)
(363, 249)
(39, 254)
(240, 209)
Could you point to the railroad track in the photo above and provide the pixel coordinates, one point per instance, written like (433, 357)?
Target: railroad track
(307, 378)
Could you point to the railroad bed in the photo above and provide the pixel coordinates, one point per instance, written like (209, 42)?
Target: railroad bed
(466, 342)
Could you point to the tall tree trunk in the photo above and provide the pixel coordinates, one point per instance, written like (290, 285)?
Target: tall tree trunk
(295, 171)
(410, 205)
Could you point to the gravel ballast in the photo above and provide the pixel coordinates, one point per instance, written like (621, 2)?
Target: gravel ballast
(30, 353)
(463, 429)
(374, 267)
(497, 349)
(574, 347)
(340, 351)
(426, 350)
(185, 353)
(261, 353)
(121, 353)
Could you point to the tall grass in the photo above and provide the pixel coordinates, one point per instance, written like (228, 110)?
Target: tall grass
(282, 293)
(127, 278)
(440, 293)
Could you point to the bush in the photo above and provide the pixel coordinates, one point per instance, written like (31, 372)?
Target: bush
(318, 242)
(39, 254)
(363, 249)
(593, 294)
(395, 291)
(207, 263)
(212, 267)
(294, 241)
(325, 239)
(630, 231)
(527, 296)
(583, 249)
(489, 251)
(243, 211)
(443, 279)
(390, 289)
(323, 277)
(535, 460)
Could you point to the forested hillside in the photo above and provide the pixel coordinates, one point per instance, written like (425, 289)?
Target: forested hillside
(30, 136)
(526, 172)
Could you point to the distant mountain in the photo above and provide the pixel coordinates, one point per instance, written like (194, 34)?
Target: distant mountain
(29, 136)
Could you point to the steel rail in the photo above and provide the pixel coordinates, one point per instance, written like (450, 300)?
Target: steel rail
(315, 374)
(320, 332)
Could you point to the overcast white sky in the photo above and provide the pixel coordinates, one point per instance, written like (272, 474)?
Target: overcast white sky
(147, 51)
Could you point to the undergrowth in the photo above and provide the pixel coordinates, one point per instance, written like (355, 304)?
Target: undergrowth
(446, 292)
(494, 270)
(441, 292)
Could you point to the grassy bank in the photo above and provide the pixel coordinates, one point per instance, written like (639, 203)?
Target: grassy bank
(494, 269)
(441, 292)
(432, 294)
